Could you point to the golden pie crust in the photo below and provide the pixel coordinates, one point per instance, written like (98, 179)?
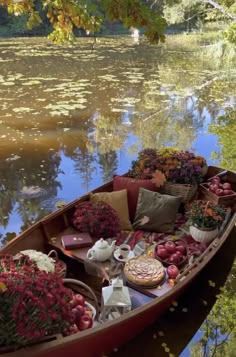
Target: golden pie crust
(144, 271)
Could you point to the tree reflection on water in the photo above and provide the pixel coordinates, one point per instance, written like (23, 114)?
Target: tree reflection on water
(70, 118)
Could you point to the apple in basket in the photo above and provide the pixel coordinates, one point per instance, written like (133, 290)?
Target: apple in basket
(171, 252)
(162, 253)
(81, 314)
(85, 322)
(77, 299)
(170, 246)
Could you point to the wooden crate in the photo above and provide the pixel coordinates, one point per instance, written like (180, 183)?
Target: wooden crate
(227, 201)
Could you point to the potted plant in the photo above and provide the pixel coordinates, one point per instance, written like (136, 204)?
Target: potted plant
(97, 218)
(206, 218)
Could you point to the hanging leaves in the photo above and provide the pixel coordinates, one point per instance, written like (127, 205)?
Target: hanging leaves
(65, 15)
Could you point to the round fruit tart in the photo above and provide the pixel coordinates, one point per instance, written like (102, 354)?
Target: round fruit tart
(144, 271)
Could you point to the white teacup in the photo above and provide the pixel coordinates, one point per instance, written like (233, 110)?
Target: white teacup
(124, 250)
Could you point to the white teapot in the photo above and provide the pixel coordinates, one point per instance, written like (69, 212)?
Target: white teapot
(101, 250)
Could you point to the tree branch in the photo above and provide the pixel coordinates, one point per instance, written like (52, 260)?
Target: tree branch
(221, 9)
(198, 13)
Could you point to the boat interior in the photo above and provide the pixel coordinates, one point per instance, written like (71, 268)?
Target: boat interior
(46, 235)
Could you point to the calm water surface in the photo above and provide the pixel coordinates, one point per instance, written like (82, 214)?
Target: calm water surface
(71, 117)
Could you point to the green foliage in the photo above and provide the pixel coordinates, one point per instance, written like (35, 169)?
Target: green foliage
(33, 20)
(230, 33)
(66, 15)
(193, 11)
(225, 129)
(218, 330)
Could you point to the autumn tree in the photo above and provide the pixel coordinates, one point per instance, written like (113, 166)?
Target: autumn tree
(66, 15)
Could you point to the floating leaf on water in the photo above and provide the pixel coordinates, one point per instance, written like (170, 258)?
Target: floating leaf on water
(60, 204)
(31, 83)
(32, 192)
(172, 309)
(211, 283)
(22, 110)
(13, 158)
(185, 309)
(161, 333)
(154, 336)
(164, 344)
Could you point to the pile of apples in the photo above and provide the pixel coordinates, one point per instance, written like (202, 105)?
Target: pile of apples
(82, 315)
(171, 252)
(219, 188)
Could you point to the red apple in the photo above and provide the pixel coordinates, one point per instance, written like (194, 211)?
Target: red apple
(72, 329)
(215, 179)
(181, 249)
(170, 246)
(226, 186)
(85, 322)
(213, 187)
(73, 302)
(219, 192)
(227, 192)
(160, 246)
(80, 309)
(163, 253)
(180, 255)
(80, 299)
(174, 259)
(172, 271)
(75, 313)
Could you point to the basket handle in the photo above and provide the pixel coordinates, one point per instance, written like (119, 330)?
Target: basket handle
(53, 254)
(83, 285)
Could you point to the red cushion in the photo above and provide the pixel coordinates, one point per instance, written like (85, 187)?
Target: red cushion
(132, 185)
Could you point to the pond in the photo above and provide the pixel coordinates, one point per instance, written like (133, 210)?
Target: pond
(72, 116)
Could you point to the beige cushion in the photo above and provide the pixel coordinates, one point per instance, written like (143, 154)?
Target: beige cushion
(156, 212)
(117, 200)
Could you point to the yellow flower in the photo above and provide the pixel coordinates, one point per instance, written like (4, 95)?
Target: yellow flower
(3, 287)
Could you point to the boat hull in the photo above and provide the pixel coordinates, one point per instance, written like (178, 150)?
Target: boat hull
(106, 337)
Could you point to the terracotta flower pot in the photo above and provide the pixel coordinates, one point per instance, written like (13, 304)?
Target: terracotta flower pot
(203, 235)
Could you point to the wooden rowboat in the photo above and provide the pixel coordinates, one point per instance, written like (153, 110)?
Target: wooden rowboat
(148, 304)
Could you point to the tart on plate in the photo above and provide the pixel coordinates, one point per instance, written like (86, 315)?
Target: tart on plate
(144, 271)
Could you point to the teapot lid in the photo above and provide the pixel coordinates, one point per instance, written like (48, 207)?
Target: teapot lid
(101, 243)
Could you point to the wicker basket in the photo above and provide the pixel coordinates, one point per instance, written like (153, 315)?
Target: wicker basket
(204, 170)
(186, 191)
(73, 284)
(60, 266)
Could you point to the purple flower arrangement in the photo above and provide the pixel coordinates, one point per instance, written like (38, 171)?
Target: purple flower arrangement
(178, 166)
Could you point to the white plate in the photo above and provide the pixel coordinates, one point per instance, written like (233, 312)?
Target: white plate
(117, 254)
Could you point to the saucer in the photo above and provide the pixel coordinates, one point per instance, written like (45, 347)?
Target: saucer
(117, 254)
